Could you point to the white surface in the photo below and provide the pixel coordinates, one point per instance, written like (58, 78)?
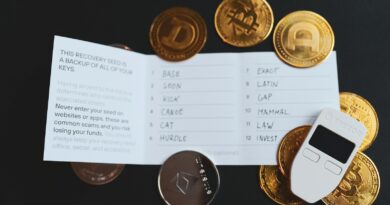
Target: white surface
(313, 180)
(233, 107)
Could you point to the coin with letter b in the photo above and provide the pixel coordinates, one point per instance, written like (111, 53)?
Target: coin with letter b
(244, 23)
(189, 178)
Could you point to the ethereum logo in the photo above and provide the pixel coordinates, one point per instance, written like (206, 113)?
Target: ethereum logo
(184, 181)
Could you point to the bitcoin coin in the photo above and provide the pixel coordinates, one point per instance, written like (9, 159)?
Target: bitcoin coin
(97, 174)
(277, 186)
(360, 185)
(178, 34)
(289, 147)
(188, 177)
(360, 109)
(303, 39)
(243, 23)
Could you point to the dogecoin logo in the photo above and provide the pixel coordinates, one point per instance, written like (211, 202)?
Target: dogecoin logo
(243, 18)
(351, 182)
(181, 35)
(303, 34)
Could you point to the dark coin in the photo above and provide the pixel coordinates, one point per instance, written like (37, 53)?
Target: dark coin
(188, 178)
(97, 174)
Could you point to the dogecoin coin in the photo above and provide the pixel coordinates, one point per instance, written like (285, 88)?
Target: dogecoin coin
(178, 34)
(360, 184)
(303, 39)
(244, 23)
(97, 174)
(360, 109)
(277, 186)
(188, 177)
(289, 147)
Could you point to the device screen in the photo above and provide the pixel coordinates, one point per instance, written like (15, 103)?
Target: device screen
(332, 144)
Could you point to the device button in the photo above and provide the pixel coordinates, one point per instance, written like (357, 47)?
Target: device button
(332, 167)
(311, 155)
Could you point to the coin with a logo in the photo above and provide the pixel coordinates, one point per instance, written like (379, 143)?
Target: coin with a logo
(303, 39)
(178, 34)
(97, 174)
(360, 109)
(189, 178)
(289, 147)
(277, 186)
(360, 184)
(244, 23)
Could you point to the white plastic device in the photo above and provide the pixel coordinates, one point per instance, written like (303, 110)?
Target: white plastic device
(325, 155)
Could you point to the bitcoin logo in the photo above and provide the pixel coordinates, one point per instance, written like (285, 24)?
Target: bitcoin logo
(360, 185)
(360, 109)
(178, 34)
(303, 39)
(243, 18)
(351, 182)
(303, 34)
(180, 27)
(243, 23)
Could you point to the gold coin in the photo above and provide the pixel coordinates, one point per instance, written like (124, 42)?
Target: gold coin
(178, 34)
(359, 186)
(289, 147)
(360, 109)
(303, 39)
(277, 186)
(244, 23)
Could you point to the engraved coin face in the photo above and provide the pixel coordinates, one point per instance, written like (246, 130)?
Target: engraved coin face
(97, 174)
(289, 147)
(303, 39)
(360, 109)
(188, 178)
(277, 186)
(178, 34)
(360, 184)
(244, 23)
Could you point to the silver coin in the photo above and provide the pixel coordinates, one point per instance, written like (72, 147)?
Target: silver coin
(188, 178)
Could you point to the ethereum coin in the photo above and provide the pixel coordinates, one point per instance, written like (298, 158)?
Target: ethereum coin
(188, 178)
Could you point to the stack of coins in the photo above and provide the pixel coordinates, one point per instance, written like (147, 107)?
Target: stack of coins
(361, 183)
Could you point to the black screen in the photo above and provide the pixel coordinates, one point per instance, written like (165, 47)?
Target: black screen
(332, 144)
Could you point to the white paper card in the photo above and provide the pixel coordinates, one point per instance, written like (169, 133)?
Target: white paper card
(109, 105)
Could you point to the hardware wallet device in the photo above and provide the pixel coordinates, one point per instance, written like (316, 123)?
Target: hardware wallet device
(325, 155)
